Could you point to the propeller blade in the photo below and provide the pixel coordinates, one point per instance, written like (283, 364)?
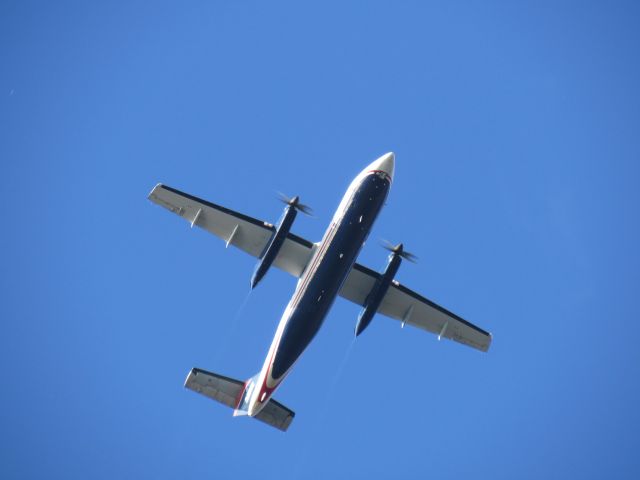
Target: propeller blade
(283, 198)
(410, 257)
(387, 245)
(295, 203)
(306, 209)
(399, 250)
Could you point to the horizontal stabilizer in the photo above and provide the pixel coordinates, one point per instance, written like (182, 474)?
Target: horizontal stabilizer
(223, 389)
(228, 390)
(276, 415)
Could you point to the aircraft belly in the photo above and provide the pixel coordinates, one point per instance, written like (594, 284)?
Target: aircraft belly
(338, 256)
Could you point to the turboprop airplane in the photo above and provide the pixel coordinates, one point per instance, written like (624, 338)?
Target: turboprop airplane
(324, 270)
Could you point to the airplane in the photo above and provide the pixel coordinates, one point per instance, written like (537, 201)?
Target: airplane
(325, 270)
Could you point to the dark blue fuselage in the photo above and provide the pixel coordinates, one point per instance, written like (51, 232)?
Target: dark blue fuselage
(327, 271)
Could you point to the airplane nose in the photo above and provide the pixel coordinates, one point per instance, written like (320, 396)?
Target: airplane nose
(386, 163)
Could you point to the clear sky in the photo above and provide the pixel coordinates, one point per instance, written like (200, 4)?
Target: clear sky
(516, 132)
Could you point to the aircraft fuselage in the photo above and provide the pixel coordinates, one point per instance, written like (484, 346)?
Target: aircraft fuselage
(322, 280)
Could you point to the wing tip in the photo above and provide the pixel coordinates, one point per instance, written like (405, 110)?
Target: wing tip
(152, 192)
(485, 348)
(192, 373)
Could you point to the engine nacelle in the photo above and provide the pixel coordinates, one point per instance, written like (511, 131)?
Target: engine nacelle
(379, 290)
(272, 249)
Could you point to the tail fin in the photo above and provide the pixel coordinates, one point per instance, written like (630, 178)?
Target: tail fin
(242, 405)
(230, 392)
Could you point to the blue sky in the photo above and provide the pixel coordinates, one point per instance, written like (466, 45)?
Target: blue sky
(515, 127)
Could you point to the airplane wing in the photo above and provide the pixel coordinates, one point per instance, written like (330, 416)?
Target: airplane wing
(237, 229)
(409, 307)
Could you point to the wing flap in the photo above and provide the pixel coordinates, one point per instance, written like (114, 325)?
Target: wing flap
(403, 304)
(247, 233)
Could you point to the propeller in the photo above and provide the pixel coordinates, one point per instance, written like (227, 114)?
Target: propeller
(399, 250)
(295, 203)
